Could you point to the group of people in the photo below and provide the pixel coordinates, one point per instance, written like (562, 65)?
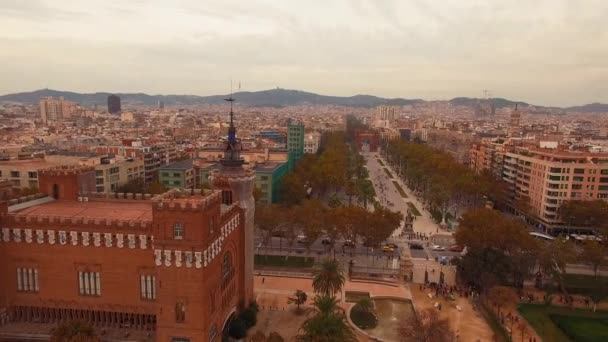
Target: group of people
(447, 291)
(416, 236)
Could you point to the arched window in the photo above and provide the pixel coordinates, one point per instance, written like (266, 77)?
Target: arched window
(227, 265)
(180, 312)
(55, 191)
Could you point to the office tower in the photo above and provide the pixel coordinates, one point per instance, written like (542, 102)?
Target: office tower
(295, 138)
(114, 104)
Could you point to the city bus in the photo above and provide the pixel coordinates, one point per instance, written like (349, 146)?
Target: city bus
(541, 236)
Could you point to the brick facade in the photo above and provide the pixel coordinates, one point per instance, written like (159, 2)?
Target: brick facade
(94, 257)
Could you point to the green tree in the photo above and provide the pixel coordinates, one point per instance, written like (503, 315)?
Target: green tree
(269, 218)
(299, 298)
(328, 277)
(488, 228)
(378, 226)
(365, 191)
(292, 189)
(586, 213)
(553, 258)
(599, 291)
(501, 296)
(594, 254)
(74, 331)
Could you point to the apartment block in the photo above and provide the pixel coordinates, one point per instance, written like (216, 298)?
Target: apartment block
(56, 109)
(23, 174)
(154, 156)
(548, 175)
(180, 175)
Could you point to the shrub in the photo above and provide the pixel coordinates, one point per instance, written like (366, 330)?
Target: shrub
(237, 329)
(249, 316)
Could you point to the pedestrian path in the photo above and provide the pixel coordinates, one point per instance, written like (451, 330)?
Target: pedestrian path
(386, 190)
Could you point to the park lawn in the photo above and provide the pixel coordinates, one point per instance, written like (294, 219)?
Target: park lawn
(380, 162)
(582, 329)
(413, 208)
(284, 261)
(403, 194)
(542, 319)
(582, 283)
(388, 173)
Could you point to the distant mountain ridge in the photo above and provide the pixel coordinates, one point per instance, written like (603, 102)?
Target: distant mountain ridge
(273, 97)
(590, 108)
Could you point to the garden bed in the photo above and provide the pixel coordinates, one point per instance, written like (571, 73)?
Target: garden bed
(400, 189)
(388, 173)
(413, 209)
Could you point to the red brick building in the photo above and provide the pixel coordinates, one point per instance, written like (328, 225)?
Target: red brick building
(162, 268)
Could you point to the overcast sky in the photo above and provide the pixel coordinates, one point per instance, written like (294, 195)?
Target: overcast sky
(548, 52)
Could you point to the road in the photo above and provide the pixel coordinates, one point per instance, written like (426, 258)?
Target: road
(389, 196)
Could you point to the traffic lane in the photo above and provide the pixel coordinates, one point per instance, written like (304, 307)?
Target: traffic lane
(318, 246)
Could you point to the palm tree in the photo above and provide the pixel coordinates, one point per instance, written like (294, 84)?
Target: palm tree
(74, 331)
(299, 298)
(327, 325)
(365, 304)
(329, 277)
(325, 304)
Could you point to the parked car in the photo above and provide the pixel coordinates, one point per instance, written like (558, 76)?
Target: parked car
(438, 248)
(349, 243)
(387, 248)
(455, 248)
(392, 245)
(326, 241)
(416, 246)
(301, 238)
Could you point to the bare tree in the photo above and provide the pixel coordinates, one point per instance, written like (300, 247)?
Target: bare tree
(426, 326)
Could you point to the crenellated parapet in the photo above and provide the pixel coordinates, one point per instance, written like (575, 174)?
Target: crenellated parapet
(76, 222)
(65, 170)
(108, 196)
(187, 200)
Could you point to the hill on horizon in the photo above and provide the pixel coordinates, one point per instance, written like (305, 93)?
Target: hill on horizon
(272, 97)
(277, 97)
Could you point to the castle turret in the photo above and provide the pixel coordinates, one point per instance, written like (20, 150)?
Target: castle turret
(236, 184)
(66, 182)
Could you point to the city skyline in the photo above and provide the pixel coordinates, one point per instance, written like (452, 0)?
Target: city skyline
(549, 53)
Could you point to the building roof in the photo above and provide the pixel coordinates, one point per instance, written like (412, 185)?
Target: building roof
(28, 163)
(267, 167)
(119, 210)
(181, 165)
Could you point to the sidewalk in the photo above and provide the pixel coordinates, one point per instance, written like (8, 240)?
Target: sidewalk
(422, 224)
